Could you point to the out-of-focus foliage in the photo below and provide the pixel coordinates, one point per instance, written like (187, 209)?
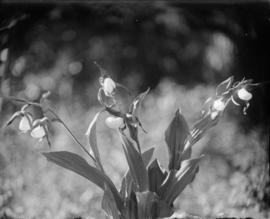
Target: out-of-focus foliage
(232, 171)
(159, 45)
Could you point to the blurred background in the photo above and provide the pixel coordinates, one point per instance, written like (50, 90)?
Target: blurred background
(180, 51)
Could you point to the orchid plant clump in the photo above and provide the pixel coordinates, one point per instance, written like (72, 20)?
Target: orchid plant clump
(147, 190)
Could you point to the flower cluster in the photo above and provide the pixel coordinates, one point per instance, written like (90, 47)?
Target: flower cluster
(38, 128)
(147, 190)
(238, 93)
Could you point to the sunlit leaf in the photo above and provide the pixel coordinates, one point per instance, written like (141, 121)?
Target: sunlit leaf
(200, 127)
(135, 163)
(127, 183)
(92, 137)
(176, 181)
(156, 176)
(175, 136)
(80, 166)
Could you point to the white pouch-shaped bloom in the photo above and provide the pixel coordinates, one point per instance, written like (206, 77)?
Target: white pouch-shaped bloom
(114, 122)
(219, 105)
(109, 86)
(243, 94)
(25, 123)
(214, 115)
(38, 132)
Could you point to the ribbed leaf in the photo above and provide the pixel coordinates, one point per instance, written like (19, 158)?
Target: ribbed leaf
(199, 129)
(131, 208)
(127, 182)
(92, 136)
(177, 180)
(147, 204)
(80, 166)
(175, 137)
(135, 163)
(156, 176)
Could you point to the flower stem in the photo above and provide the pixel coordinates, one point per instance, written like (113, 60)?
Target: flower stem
(59, 119)
(72, 135)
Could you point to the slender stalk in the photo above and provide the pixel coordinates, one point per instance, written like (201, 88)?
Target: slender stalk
(23, 101)
(59, 119)
(72, 135)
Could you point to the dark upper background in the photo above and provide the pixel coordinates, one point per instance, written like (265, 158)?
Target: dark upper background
(148, 41)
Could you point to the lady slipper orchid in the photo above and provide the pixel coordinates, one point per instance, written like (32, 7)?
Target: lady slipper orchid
(109, 86)
(25, 123)
(219, 105)
(39, 130)
(243, 94)
(114, 122)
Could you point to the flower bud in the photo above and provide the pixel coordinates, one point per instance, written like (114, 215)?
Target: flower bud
(219, 105)
(243, 94)
(109, 86)
(38, 132)
(25, 123)
(114, 122)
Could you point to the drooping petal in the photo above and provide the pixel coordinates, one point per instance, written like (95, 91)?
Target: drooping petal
(38, 132)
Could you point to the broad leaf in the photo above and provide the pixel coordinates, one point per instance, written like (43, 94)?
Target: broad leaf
(92, 136)
(127, 184)
(133, 132)
(147, 156)
(136, 102)
(135, 163)
(175, 137)
(176, 181)
(200, 127)
(80, 166)
(156, 176)
(224, 86)
(109, 205)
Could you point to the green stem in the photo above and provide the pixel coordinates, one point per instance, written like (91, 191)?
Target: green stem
(73, 137)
